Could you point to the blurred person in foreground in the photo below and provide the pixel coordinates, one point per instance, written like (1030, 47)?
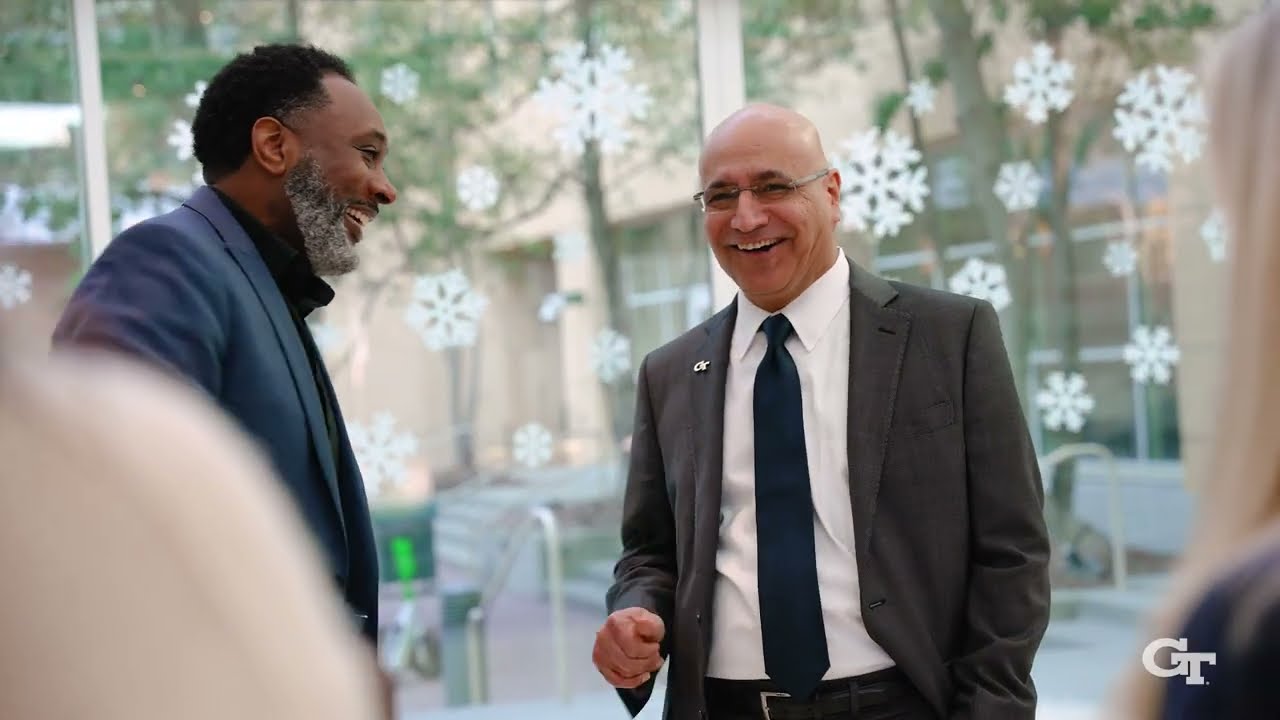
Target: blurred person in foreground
(833, 508)
(218, 290)
(1225, 596)
(152, 566)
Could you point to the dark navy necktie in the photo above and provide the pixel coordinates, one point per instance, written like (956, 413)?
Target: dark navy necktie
(795, 642)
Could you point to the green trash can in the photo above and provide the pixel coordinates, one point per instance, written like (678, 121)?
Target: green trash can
(456, 603)
(394, 526)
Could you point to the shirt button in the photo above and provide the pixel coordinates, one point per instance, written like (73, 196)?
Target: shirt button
(697, 617)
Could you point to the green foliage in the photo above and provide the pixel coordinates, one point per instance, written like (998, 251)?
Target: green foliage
(785, 40)
(986, 42)
(1097, 14)
(936, 70)
(886, 108)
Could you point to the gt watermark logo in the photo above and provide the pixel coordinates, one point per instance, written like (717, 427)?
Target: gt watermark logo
(1183, 662)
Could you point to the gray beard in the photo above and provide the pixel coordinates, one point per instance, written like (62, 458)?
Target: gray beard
(320, 220)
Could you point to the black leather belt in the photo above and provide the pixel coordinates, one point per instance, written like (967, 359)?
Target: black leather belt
(837, 698)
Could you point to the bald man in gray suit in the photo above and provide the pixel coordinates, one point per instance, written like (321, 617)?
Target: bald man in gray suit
(833, 509)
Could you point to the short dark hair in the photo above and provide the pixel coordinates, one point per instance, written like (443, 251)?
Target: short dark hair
(271, 81)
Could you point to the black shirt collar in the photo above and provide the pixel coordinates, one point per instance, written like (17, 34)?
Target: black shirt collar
(299, 284)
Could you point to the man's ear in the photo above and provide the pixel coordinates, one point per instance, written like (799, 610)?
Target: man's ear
(273, 146)
(832, 187)
(833, 184)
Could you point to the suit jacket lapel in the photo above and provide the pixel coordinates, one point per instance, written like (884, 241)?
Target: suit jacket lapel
(242, 249)
(877, 345)
(707, 433)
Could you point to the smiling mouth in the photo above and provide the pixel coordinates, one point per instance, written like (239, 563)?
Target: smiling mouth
(759, 246)
(356, 218)
(359, 215)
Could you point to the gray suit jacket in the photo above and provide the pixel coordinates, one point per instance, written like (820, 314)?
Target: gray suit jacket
(952, 549)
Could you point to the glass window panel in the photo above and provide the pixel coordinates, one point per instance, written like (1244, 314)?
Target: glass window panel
(1099, 244)
(41, 238)
(562, 240)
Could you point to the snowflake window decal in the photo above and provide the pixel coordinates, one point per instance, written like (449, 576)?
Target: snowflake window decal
(1040, 84)
(593, 98)
(1121, 258)
(15, 286)
(531, 445)
(1214, 234)
(180, 139)
(921, 97)
(552, 307)
(883, 185)
(984, 281)
(1065, 402)
(1161, 114)
(399, 83)
(1151, 355)
(1018, 185)
(381, 450)
(445, 310)
(192, 99)
(610, 355)
(478, 188)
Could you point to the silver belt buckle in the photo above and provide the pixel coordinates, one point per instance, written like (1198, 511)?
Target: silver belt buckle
(764, 701)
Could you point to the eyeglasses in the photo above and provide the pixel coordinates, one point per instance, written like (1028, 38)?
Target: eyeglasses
(770, 191)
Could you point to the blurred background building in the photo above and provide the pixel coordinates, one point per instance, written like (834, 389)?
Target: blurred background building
(1043, 155)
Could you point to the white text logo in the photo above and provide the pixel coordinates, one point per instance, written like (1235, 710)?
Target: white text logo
(1184, 663)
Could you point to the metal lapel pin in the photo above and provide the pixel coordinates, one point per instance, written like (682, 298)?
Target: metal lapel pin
(701, 366)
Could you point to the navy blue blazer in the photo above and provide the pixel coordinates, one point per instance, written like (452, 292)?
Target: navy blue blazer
(1238, 619)
(189, 292)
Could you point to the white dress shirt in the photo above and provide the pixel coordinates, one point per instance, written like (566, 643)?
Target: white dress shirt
(820, 347)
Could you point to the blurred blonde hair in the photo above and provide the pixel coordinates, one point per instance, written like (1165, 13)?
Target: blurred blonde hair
(152, 566)
(1240, 505)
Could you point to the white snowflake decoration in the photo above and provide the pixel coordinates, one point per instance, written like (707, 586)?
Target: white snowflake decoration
(531, 445)
(882, 186)
(1214, 234)
(552, 307)
(1064, 401)
(1151, 355)
(381, 451)
(984, 281)
(921, 95)
(180, 139)
(399, 83)
(328, 336)
(478, 188)
(569, 246)
(1040, 84)
(593, 98)
(192, 99)
(1018, 186)
(18, 223)
(1121, 258)
(15, 286)
(1161, 118)
(445, 310)
(610, 355)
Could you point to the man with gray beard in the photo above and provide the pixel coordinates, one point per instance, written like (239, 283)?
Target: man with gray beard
(218, 290)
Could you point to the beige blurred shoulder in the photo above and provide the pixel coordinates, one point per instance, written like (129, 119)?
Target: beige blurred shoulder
(153, 566)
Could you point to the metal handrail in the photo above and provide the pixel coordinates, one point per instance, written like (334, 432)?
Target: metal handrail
(543, 519)
(1119, 562)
